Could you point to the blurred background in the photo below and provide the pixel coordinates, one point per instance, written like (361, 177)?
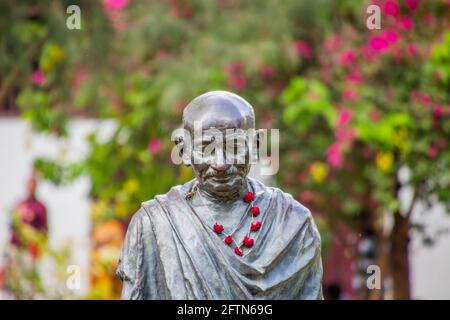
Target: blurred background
(86, 116)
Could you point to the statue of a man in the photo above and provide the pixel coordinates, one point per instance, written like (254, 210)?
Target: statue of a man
(221, 235)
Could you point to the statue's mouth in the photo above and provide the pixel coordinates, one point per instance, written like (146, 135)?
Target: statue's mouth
(222, 179)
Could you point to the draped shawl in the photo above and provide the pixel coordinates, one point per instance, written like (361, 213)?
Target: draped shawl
(169, 252)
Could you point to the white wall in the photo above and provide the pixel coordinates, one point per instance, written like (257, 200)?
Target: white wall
(430, 265)
(68, 207)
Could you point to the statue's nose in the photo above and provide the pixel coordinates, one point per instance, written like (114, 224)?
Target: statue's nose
(220, 165)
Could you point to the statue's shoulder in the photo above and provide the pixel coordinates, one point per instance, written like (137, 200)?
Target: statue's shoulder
(173, 194)
(279, 195)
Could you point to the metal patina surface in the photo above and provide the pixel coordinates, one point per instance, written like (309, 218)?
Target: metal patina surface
(172, 252)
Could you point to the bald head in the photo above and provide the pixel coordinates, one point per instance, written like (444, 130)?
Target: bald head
(219, 109)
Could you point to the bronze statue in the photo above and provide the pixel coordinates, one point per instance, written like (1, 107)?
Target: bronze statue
(222, 235)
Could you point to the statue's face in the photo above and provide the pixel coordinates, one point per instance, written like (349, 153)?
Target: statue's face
(217, 122)
(220, 164)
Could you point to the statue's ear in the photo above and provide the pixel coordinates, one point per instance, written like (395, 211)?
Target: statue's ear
(183, 150)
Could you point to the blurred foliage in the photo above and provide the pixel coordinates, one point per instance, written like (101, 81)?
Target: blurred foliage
(33, 268)
(354, 105)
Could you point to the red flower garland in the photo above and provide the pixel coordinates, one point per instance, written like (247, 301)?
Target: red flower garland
(218, 228)
(254, 226)
(249, 197)
(255, 211)
(238, 251)
(248, 242)
(228, 240)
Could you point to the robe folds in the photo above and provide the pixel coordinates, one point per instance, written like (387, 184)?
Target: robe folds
(169, 252)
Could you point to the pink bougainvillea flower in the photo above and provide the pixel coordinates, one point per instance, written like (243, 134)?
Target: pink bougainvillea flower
(405, 23)
(2, 278)
(426, 99)
(412, 4)
(334, 155)
(79, 78)
(306, 196)
(349, 94)
(390, 36)
(412, 49)
(391, 8)
(331, 44)
(429, 19)
(433, 151)
(303, 48)
(345, 135)
(375, 115)
(354, 77)
(266, 72)
(438, 111)
(378, 43)
(439, 75)
(115, 5)
(237, 81)
(397, 54)
(368, 52)
(233, 68)
(348, 57)
(38, 77)
(154, 146)
(235, 75)
(415, 96)
(442, 143)
(345, 116)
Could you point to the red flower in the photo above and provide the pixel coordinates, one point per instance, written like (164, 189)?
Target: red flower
(218, 228)
(249, 197)
(33, 250)
(248, 242)
(228, 240)
(255, 211)
(238, 251)
(255, 226)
